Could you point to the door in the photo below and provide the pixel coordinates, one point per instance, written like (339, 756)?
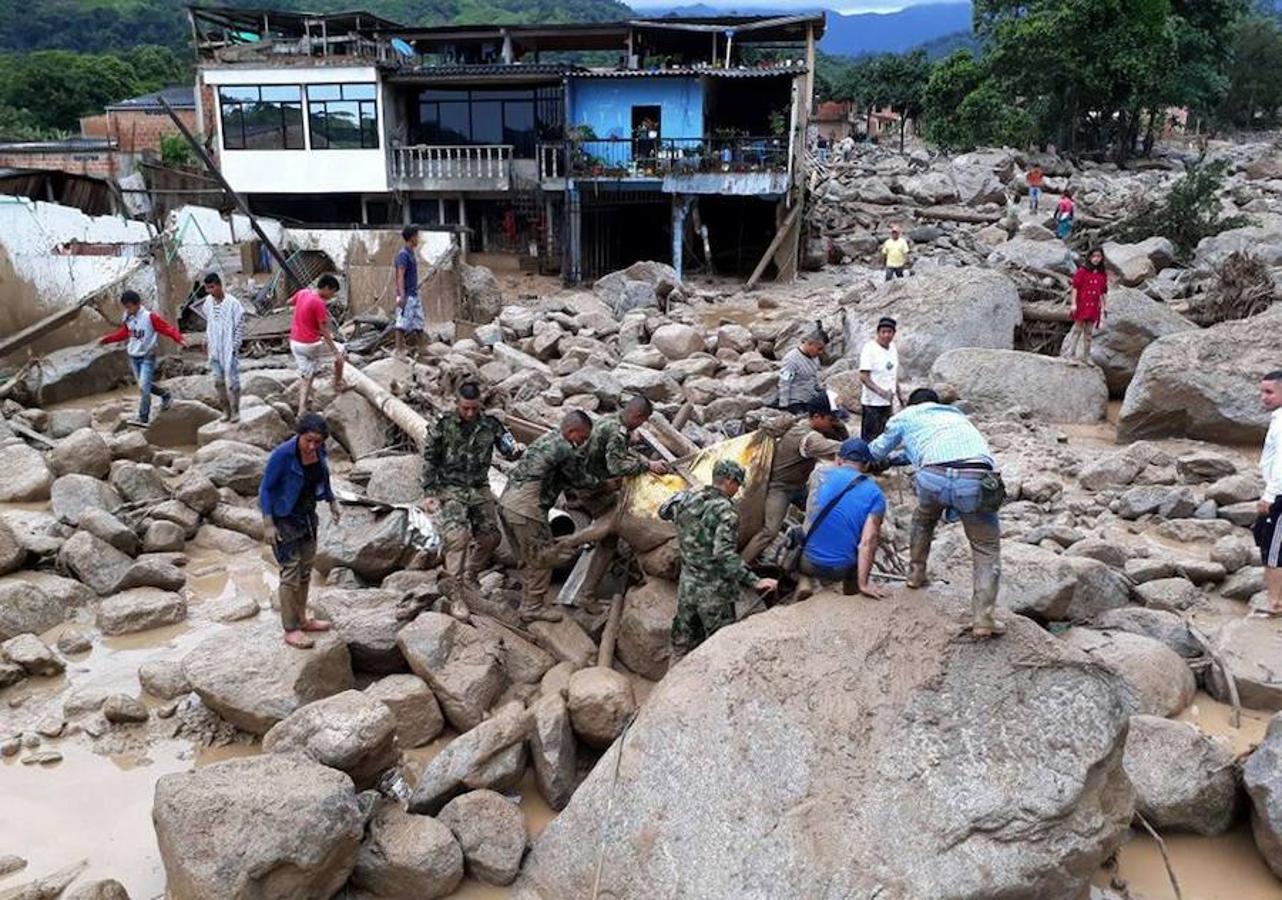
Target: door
(647, 129)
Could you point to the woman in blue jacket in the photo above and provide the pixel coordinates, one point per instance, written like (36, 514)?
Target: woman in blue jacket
(297, 476)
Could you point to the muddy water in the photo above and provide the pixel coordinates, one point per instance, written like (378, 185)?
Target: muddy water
(1227, 867)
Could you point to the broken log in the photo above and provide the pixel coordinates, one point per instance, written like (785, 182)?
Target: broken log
(605, 657)
(674, 440)
(1046, 312)
(780, 236)
(397, 410)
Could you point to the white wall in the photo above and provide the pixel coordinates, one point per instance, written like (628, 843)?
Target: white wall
(301, 171)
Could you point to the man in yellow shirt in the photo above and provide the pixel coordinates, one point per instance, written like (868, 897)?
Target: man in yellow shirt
(895, 251)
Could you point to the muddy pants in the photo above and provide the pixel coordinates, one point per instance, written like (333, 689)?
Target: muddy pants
(538, 553)
(470, 530)
(703, 609)
(295, 582)
(942, 489)
(778, 499)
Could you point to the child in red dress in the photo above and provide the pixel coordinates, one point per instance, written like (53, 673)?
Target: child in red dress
(1090, 303)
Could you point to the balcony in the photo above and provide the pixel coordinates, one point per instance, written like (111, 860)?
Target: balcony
(737, 165)
(425, 167)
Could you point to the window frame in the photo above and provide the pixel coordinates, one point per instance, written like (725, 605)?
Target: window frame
(361, 105)
(227, 107)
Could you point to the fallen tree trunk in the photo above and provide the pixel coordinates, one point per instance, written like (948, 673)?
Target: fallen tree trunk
(397, 410)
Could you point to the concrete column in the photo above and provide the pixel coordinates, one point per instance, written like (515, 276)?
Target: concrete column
(573, 235)
(680, 209)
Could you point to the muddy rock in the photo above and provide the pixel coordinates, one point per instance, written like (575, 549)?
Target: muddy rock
(107, 889)
(240, 519)
(1154, 680)
(356, 424)
(1235, 551)
(413, 706)
(491, 831)
(396, 479)
(408, 857)
(553, 751)
(163, 537)
(259, 426)
(677, 341)
(466, 763)
(232, 464)
(130, 445)
(78, 372)
(1170, 594)
(121, 709)
(1162, 626)
(1235, 489)
(350, 732)
(75, 640)
(164, 679)
(463, 666)
(1133, 264)
(179, 426)
(253, 679)
(71, 495)
(1182, 778)
(1204, 466)
(481, 292)
(1064, 747)
(195, 490)
(523, 661)
(268, 826)
(566, 640)
(1250, 648)
(370, 546)
(140, 609)
(994, 381)
(26, 608)
(600, 702)
(83, 452)
(38, 532)
(25, 477)
(12, 551)
(138, 483)
(106, 527)
(107, 571)
(368, 621)
(33, 654)
(1262, 776)
(1023, 253)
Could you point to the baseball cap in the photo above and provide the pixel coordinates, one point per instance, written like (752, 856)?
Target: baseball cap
(856, 450)
(887, 322)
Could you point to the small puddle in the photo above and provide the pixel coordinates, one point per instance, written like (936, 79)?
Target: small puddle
(1226, 867)
(1215, 718)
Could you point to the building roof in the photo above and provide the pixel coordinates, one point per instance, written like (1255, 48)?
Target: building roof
(833, 111)
(292, 22)
(182, 96)
(707, 71)
(67, 145)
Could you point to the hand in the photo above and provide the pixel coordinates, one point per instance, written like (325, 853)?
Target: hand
(766, 585)
(335, 511)
(431, 505)
(868, 590)
(1264, 507)
(658, 467)
(269, 534)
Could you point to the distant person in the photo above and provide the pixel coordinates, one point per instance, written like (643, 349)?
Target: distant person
(895, 253)
(843, 522)
(1035, 178)
(1065, 211)
(310, 339)
(141, 328)
(296, 477)
(409, 306)
(799, 381)
(1268, 523)
(879, 374)
(224, 333)
(1090, 303)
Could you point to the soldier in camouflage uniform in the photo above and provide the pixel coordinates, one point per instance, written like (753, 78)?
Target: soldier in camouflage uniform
(550, 466)
(456, 466)
(712, 572)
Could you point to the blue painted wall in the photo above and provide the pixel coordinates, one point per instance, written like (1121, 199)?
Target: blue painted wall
(606, 104)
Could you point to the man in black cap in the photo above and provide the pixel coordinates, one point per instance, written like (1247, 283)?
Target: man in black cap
(879, 374)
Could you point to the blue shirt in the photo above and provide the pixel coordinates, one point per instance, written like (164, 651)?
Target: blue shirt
(835, 543)
(407, 259)
(283, 481)
(930, 434)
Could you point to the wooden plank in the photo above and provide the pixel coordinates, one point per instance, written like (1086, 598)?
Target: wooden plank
(780, 235)
(56, 320)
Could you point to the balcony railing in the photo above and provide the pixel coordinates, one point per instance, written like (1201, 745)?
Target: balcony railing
(425, 163)
(664, 157)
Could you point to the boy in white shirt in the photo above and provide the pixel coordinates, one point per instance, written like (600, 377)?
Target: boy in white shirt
(879, 374)
(1268, 524)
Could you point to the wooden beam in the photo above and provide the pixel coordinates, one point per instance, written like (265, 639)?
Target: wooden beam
(54, 321)
(780, 235)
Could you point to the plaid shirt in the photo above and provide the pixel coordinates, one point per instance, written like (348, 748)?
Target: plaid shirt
(930, 434)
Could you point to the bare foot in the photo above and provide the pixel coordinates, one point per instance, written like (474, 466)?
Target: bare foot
(317, 625)
(299, 640)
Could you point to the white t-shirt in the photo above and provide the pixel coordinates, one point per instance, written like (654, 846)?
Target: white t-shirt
(883, 364)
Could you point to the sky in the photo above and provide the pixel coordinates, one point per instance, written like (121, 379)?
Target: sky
(845, 6)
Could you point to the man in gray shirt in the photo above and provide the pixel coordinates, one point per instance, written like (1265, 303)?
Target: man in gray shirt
(799, 381)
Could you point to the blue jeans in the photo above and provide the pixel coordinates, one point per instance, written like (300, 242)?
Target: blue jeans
(1034, 198)
(145, 374)
(952, 490)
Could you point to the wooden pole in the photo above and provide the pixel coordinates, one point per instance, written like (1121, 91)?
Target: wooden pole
(391, 406)
(605, 657)
(784, 230)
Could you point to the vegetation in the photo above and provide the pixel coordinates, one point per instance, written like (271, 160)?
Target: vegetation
(1190, 212)
(889, 81)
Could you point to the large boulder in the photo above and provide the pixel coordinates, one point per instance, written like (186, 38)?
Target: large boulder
(1261, 241)
(463, 666)
(1024, 253)
(181, 424)
(350, 732)
(975, 775)
(677, 341)
(1154, 679)
(12, 551)
(71, 495)
(1134, 264)
(1158, 624)
(25, 477)
(371, 546)
(601, 703)
(553, 751)
(1182, 778)
(408, 857)
(1251, 649)
(469, 762)
(994, 381)
(645, 628)
(491, 831)
(253, 679)
(259, 426)
(413, 706)
(482, 295)
(268, 826)
(83, 452)
(639, 286)
(368, 621)
(1203, 384)
(1134, 321)
(232, 464)
(357, 425)
(396, 479)
(938, 310)
(78, 372)
(1262, 776)
(140, 609)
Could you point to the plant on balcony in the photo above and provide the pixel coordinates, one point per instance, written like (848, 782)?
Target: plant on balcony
(779, 122)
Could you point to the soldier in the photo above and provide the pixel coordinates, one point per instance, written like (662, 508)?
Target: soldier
(549, 466)
(712, 572)
(456, 465)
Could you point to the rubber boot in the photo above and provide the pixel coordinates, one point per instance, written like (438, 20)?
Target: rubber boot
(919, 554)
(538, 612)
(235, 405)
(223, 400)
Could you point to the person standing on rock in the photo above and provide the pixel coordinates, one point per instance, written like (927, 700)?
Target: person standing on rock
(296, 477)
(1268, 523)
(895, 253)
(956, 472)
(142, 328)
(456, 481)
(843, 526)
(224, 333)
(409, 307)
(1090, 303)
(804, 444)
(799, 381)
(548, 467)
(1035, 178)
(309, 336)
(879, 374)
(1065, 210)
(712, 573)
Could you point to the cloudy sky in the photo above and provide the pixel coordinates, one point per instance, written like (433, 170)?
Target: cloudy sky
(846, 6)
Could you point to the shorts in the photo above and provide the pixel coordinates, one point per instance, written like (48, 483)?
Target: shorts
(410, 316)
(309, 356)
(1268, 536)
(230, 374)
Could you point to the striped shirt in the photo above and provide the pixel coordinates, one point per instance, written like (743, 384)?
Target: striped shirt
(798, 379)
(930, 434)
(224, 329)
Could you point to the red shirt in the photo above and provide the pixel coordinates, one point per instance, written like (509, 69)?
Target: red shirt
(1035, 177)
(1090, 286)
(1065, 208)
(310, 315)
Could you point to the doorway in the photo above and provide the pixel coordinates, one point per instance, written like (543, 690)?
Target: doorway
(647, 129)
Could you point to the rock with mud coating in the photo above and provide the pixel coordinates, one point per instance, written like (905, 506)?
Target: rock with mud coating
(990, 769)
(408, 857)
(1182, 778)
(371, 546)
(994, 381)
(163, 678)
(368, 620)
(71, 495)
(645, 628)
(107, 889)
(413, 706)
(1157, 624)
(491, 831)
(25, 477)
(601, 703)
(462, 665)
(553, 751)
(467, 763)
(253, 679)
(1154, 680)
(12, 551)
(350, 732)
(1262, 776)
(104, 526)
(259, 426)
(270, 826)
(139, 610)
(78, 372)
(232, 464)
(1251, 649)
(107, 571)
(33, 654)
(83, 452)
(138, 483)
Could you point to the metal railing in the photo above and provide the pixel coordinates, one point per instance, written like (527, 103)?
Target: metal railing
(441, 162)
(662, 157)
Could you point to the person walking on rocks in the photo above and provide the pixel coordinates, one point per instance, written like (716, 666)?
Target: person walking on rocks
(1090, 303)
(457, 453)
(296, 477)
(1035, 178)
(799, 381)
(956, 472)
(1065, 210)
(843, 525)
(1268, 523)
(409, 306)
(895, 253)
(141, 328)
(796, 453)
(879, 374)
(548, 467)
(310, 338)
(712, 573)
(224, 333)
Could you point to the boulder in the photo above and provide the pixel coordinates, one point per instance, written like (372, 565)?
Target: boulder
(552, 750)
(645, 628)
(63, 422)
(467, 762)
(639, 286)
(140, 609)
(164, 537)
(95, 562)
(491, 831)
(71, 495)
(413, 706)
(396, 479)
(1251, 649)
(1134, 321)
(33, 654)
(350, 732)
(1261, 241)
(1182, 778)
(121, 709)
(1169, 594)
(356, 424)
(1203, 384)
(1203, 466)
(1134, 264)
(196, 491)
(106, 889)
(1157, 624)
(408, 857)
(265, 826)
(367, 620)
(259, 426)
(462, 665)
(524, 661)
(232, 464)
(482, 296)
(36, 601)
(930, 188)
(253, 679)
(677, 341)
(870, 777)
(181, 424)
(13, 553)
(994, 381)
(138, 483)
(164, 679)
(38, 532)
(78, 372)
(371, 546)
(1262, 777)
(1231, 489)
(938, 310)
(1154, 680)
(566, 640)
(82, 452)
(25, 477)
(601, 703)
(1022, 253)
(106, 527)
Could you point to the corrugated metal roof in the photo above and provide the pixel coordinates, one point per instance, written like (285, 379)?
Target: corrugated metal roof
(180, 96)
(692, 70)
(490, 70)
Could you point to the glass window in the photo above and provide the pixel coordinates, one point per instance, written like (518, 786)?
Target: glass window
(455, 123)
(358, 91)
(262, 117)
(434, 94)
(342, 116)
(518, 128)
(487, 122)
(324, 92)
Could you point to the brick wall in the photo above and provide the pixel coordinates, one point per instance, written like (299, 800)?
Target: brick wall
(137, 130)
(99, 164)
(95, 126)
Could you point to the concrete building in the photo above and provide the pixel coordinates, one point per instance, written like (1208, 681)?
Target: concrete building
(136, 125)
(673, 137)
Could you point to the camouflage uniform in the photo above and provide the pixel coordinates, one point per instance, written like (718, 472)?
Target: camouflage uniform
(712, 573)
(456, 466)
(549, 466)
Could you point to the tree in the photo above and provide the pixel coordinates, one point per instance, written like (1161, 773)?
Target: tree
(1254, 92)
(963, 107)
(890, 80)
